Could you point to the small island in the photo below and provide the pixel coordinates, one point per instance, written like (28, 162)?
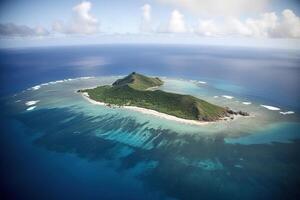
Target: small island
(137, 90)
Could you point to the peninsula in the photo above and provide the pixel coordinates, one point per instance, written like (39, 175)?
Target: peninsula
(135, 90)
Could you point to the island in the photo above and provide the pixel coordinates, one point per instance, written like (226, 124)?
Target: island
(142, 91)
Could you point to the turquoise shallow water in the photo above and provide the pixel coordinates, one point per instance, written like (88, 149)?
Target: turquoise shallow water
(278, 132)
(62, 94)
(136, 154)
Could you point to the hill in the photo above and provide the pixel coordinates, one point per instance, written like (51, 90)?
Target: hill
(132, 91)
(138, 81)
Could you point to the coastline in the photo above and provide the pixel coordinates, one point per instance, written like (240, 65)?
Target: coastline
(149, 112)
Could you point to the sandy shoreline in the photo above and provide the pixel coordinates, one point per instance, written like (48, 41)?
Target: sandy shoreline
(149, 112)
(165, 116)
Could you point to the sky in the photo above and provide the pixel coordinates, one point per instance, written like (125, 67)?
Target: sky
(257, 23)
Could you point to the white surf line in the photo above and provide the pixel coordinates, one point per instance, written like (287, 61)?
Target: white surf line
(31, 108)
(86, 77)
(270, 107)
(227, 96)
(31, 103)
(287, 113)
(85, 94)
(195, 81)
(60, 81)
(36, 87)
(246, 103)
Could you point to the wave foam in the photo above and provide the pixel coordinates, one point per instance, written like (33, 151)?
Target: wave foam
(270, 107)
(31, 108)
(195, 81)
(59, 81)
(246, 103)
(36, 87)
(31, 103)
(85, 94)
(287, 113)
(86, 77)
(227, 96)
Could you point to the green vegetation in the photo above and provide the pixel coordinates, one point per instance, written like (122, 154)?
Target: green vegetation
(132, 91)
(138, 81)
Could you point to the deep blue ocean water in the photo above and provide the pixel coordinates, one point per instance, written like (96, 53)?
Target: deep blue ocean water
(42, 158)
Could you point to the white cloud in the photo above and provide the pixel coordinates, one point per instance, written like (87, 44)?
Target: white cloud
(13, 30)
(219, 7)
(146, 12)
(268, 25)
(146, 18)
(234, 26)
(262, 27)
(207, 28)
(289, 25)
(82, 22)
(176, 23)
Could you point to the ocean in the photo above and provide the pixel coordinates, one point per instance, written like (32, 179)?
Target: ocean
(57, 145)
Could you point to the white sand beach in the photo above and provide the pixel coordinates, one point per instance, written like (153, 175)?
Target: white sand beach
(150, 112)
(86, 96)
(165, 116)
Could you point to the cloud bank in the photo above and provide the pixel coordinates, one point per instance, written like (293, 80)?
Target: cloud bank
(268, 25)
(224, 24)
(13, 30)
(82, 22)
(218, 7)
